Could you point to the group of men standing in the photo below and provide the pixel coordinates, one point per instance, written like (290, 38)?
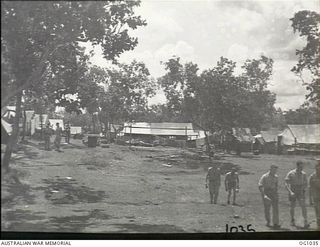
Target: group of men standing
(296, 183)
(213, 182)
(48, 131)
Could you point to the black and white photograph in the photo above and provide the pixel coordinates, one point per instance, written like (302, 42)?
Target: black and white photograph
(160, 117)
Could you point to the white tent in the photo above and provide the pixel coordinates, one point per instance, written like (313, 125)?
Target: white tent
(75, 130)
(270, 135)
(53, 123)
(304, 134)
(8, 111)
(6, 126)
(36, 122)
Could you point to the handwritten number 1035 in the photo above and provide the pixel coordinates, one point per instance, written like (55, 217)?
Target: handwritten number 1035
(239, 228)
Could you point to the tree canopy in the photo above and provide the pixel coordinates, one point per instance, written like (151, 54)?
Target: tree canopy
(42, 39)
(307, 24)
(126, 92)
(42, 53)
(217, 98)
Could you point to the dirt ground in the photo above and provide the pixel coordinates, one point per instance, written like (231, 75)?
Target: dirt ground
(138, 190)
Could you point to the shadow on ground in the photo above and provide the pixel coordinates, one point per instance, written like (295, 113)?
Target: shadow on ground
(68, 191)
(27, 150)
(14, 192)
(77, 223)
(148, 228)
(23, 220)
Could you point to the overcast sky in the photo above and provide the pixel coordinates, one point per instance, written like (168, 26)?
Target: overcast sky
(203, 31)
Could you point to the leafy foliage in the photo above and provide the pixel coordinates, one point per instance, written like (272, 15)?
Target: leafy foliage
(217, 99)
(307, 23)
(41, 40)
(41, 43)
(303, 115)
(126, 93)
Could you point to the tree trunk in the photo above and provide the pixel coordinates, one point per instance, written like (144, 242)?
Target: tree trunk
(24, 125)
(14, 135)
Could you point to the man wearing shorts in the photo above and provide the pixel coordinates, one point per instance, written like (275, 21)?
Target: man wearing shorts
(268, 186)
(231, 183)
(213, 181)
(314, 183)
(296, 184)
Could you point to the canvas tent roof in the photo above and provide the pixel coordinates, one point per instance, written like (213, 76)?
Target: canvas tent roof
(75, 130)
(53, 123)
(307, 134)
(160, 129)
(8, 111)
(6, 126)
(242, 134)
(270, 135)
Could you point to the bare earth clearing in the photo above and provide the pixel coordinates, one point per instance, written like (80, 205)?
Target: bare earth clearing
(117, 189)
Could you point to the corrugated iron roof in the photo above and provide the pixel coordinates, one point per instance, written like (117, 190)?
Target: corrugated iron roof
(160, 129)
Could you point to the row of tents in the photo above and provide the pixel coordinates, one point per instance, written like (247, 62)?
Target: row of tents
(33, 123)
(294, 138)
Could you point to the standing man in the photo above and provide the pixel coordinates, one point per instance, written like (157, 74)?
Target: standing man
(57, 139)
(314, 183)
(268, 186)
(47, 132)
(67, 129)
(296, 183)
(231, 183)
(214, 179)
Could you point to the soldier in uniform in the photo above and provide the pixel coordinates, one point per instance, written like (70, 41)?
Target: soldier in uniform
(268, 186)
(67, 129)
(57, 139)
(213, 181)
(314, 183)
(296, 184)
(231, 183)
(47, 132)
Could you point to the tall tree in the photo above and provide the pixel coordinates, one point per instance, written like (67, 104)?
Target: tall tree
(260, 101)
(126, 93)
(307, 23)
(42, 39)
(217, 99)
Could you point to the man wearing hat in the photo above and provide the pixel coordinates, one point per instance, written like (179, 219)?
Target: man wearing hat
(314, 183)
(268, 186)
(231, 183)
(214, 179)
(296, 184)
